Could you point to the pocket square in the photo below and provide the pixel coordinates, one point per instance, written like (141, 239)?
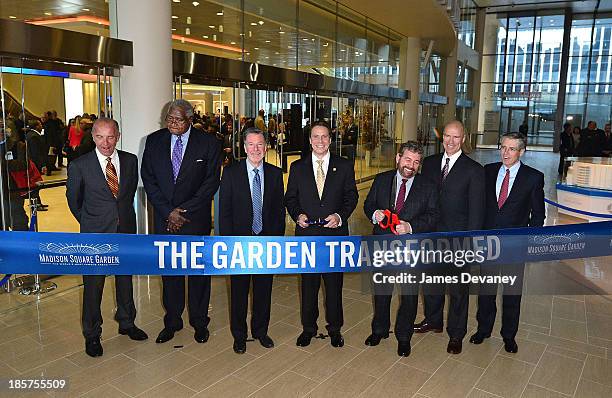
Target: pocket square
(199, 160)
(334, 169)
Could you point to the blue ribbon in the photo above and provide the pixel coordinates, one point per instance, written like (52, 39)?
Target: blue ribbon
(586, 213)
(122, 254)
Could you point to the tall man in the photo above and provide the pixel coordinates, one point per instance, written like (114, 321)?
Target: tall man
(100, 192)
(180, 171)
(514, 198)
(461, 184)
(414, 199)
(262, 183)
(321, 195)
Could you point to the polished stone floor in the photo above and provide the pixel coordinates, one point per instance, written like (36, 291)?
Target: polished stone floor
(565, 341)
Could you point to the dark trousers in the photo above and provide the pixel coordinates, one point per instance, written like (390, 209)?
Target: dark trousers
(15, 214)
(406, 314)
(262, 298)
(511, 302)
(433, 303)
(174, 301)
(93, 287)
(333, 301)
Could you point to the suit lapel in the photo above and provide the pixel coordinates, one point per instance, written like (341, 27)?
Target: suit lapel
(454, 169)
(267, 189)
(166, 158)
(310, 177)
(517, 184)
(97, 172)
(124, 171)
(190, 152)
(330, 178)
(244, 182)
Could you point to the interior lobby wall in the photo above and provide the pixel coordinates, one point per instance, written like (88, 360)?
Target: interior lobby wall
(41, 93)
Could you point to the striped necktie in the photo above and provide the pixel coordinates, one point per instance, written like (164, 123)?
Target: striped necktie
(257, 203)
(111, 177)
(503, 191)
(320, 178)
(445, 169)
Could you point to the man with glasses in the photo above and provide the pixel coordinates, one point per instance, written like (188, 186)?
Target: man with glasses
(321, 195)
(180, 172)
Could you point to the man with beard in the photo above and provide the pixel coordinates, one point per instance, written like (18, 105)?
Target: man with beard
(415, 200)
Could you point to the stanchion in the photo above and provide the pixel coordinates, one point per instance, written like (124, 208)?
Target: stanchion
(33, 284)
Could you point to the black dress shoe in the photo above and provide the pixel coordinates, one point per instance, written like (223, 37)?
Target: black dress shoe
(510, 346)
(374, 339)
(478, 338)
(424, 327)
(303, 339)
(403, 348)
(165, 335)
(265, 341)
(336, 339)
(201, 335)
(239, 346)
(93, 348)
(134, 333)
(454, 346)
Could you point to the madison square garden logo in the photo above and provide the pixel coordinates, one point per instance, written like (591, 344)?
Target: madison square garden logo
(556, 243)
(79, 254)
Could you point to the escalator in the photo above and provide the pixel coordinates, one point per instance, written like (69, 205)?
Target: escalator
(12, 108)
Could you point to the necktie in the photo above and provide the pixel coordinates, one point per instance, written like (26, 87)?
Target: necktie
(320, 178)
(399, 203)
(445, 169)
(257, 203)
(503, 192)
(111, 177)
(177, 156)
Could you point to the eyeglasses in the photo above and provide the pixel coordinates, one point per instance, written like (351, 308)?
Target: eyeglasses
(175, 120)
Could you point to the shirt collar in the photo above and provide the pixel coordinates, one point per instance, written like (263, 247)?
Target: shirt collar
(251, 168)
(325, 158)
(184, 136)
(513, 169)
(399, 177)
(101, 157)
(453, 158)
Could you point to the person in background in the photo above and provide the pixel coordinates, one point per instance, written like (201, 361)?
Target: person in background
(566, 147)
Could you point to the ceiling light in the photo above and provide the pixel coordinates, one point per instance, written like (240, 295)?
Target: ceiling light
(356, 52)
(253, 23)
(381, 60)
(273, 64)
(255, 48)
(342, 49)
(86, 9)
(267, 57)
(281, 32)
(195, 3)
(260, 22)
(232, 42)
(267, 41)
(326, 44)
(289, 47)
(188, 20)
(312, 39)
(48, 13)
(250, 34)
(174, 17)
(276, 52)
(248, 53)
(176, 1)
(308, 51)
(187, 31)
(205, 36)
(12, 17)
(214, 37)
(220, 13)
(221, 28)
(173, 29)
(305, 39)
(210, 26)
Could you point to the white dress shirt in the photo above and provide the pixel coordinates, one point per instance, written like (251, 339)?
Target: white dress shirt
(251, 175)
(502, 173)
(325, 166)
(452, 161)
(114, 160)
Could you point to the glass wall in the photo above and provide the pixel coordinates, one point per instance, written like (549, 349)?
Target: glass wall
(316, 36)
(589, 74)
(466, 30)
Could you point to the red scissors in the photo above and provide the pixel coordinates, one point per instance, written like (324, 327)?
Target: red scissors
(392, 220)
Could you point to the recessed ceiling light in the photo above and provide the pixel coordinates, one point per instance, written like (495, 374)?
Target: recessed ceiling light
(176, 1)
(248, 53)
(221, 28)
(220, 13)
(312, 39)
(210, 26)
(174, 17)
(48, 13)
(232, 42)
(281, 32)
(381, 60)
(267, 57)
(85, 9)
(250, 34)
(305, 39)
(260, 22)
(253, 23)
(342, 49)
(308, 51)
(173, 29)
(255, 48)
(195, 3)
(205, 36)
(289, 47)
(356, 52)
(12, 17)
(276, 52)
(187, 31)
(273, 64)
(188, 20)
(215, 37)
(326, 44)
(339, 59)
(267, 41)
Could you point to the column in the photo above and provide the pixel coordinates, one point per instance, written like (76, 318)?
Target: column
(474, 83)
(448, 88)
(143, 89)
(488, 99)
(409, 77)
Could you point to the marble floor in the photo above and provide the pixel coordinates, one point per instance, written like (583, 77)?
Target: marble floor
(565, 341)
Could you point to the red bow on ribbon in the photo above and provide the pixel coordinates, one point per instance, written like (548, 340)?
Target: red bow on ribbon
(392, 220)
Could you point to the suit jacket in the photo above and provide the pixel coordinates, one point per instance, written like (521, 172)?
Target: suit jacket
(339, 194)
(91, 200)
(420, 208)
(235, 202)
(462, 201)
(524, 206)
(195, 186)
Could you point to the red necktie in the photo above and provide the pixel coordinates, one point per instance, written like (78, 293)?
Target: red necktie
(399, 203)
(503, 192)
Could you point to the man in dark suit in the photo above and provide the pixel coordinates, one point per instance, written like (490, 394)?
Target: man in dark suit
(461, 184)
(261, 184)
(514, 198)
(415, 200)
(100, 192)
(180, 172)
(321, 195)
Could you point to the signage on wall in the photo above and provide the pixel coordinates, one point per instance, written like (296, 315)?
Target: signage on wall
(517, 95)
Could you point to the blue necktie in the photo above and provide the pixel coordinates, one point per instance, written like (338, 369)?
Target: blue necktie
(257, 203)
(177, 157)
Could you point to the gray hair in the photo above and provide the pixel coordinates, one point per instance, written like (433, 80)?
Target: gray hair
(253, 130)
(522, 139)
(105, 121)
(182, 105)
(411, 146)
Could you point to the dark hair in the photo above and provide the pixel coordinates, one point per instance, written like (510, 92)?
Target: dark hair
(566, 125)
(516, 136)
(253, 130)
(320, 123)
(411, 146)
